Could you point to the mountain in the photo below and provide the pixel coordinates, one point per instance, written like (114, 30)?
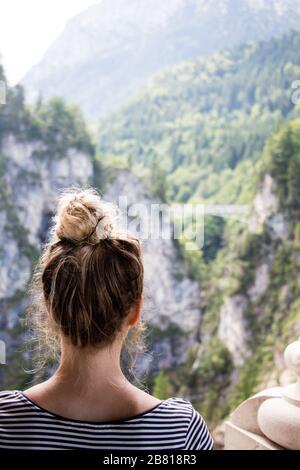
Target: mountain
(216, 131)
(108, 52)
(204, 120)
(219, 130)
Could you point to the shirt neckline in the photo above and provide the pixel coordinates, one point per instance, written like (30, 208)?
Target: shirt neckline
(23, 396)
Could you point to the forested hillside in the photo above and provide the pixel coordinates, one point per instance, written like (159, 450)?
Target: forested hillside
(220, 130)
(206, 118)
(251, 288)
(204, 132)
(41, 151)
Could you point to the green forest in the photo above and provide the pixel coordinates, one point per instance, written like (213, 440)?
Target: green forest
(204, 121)
(209, 131)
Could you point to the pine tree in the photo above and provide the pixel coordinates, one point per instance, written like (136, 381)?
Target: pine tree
(280, 150)
(293, 184)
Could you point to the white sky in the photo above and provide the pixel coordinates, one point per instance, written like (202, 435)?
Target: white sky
(28, 27)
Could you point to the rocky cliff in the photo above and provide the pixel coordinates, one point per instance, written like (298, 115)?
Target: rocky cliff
(31, 175)
(233, 327)
(215, 321)
(33, 170)
(172, 306)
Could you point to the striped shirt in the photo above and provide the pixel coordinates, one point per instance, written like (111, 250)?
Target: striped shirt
(172, 424)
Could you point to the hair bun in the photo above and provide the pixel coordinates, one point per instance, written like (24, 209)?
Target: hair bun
(83, 215)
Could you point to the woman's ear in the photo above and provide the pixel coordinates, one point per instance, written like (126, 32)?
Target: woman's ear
(136, 312)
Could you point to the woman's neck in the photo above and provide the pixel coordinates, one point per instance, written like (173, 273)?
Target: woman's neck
(90, 370)
(90, 385)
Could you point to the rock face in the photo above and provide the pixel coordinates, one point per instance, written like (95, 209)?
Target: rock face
(109, 51)
(33, 183)
(232, 328)
(261, 282)
(265, 210)
(265, 202)
(31, 187)
(172, 306)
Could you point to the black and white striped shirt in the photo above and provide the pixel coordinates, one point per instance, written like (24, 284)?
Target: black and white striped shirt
(172, 424)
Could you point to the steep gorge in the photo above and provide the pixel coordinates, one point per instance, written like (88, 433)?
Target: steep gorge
(217, 316)
(213, 132)
(33, 170)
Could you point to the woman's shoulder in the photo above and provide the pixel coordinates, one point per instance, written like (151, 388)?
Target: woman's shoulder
(7, 395)
(11, 400)
(198, 436)
(178, 404)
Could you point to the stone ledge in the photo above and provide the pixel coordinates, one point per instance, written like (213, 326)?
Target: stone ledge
(239, 439)
(269, 420)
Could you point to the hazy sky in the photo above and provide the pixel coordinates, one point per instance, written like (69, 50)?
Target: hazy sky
(27, 28)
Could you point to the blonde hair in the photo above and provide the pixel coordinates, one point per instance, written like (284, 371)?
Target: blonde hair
(88, 278)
